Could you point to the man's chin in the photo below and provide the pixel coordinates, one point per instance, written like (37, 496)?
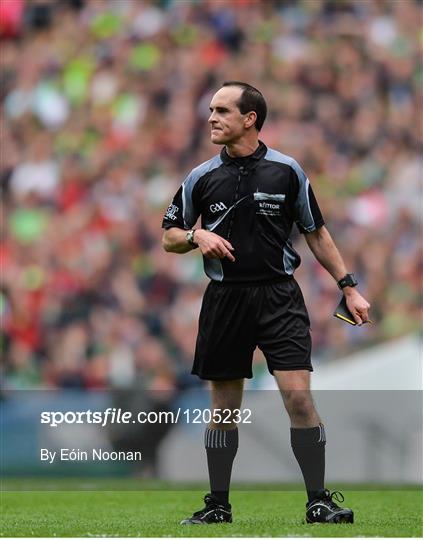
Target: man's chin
(217, 139)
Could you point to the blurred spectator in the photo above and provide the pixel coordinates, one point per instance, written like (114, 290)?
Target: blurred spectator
(104, 109)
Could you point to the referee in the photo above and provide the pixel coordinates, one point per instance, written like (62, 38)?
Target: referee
(249, 197)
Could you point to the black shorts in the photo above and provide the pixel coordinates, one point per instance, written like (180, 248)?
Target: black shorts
(237, 318)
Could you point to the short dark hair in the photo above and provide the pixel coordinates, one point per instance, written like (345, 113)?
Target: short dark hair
(251, 100)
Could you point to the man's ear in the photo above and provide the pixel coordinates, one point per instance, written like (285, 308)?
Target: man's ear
(250, 119)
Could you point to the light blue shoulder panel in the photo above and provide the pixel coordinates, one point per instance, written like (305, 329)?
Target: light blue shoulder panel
(302, 204)
(190, 214)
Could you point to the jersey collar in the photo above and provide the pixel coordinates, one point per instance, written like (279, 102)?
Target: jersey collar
(258, 154)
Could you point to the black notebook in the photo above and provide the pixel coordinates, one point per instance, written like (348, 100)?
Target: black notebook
(342, 312)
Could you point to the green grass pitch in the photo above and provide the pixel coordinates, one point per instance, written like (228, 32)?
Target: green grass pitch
(156, 513)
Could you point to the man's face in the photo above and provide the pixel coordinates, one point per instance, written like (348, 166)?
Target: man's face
(226, 121)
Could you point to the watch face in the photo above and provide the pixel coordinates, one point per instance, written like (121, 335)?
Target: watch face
(351, 280)
(347, 281)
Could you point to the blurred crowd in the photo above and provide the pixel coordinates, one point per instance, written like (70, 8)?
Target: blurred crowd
(104, 108)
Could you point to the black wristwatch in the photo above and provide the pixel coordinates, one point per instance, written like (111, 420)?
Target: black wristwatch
(190, 238)
(347, 281)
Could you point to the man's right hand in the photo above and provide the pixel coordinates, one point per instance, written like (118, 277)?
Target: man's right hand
(213, 246)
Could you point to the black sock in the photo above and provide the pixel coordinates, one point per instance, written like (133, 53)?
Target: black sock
(221, 447)
(308, 445)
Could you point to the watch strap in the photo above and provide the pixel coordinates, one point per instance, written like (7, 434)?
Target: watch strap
(190, 238)
(347, 281)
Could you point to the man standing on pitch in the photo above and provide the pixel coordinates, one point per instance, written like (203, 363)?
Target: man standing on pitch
(249, 197)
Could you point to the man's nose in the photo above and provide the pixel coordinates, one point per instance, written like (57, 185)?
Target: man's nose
(211, 117)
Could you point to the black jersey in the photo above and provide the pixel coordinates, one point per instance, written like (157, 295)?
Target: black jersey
(253, 202)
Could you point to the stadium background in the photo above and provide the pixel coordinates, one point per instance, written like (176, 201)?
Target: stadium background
(104, 111)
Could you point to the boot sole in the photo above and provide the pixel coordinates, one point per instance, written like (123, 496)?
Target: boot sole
(341, 518)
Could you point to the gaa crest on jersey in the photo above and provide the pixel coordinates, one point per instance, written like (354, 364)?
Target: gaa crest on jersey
(218, 207)
(171, 212)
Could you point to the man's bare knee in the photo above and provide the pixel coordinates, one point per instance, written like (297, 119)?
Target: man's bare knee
(300, 407)
(298, 402)
(226, 397)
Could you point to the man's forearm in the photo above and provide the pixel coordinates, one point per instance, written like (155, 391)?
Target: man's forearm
(324, 249)
(175, 241)
(211, 245)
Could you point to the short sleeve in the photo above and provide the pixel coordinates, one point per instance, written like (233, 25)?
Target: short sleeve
(308, 216)
(182, 212)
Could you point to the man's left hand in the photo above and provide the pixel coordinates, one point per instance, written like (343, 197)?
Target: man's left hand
(358, 305)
